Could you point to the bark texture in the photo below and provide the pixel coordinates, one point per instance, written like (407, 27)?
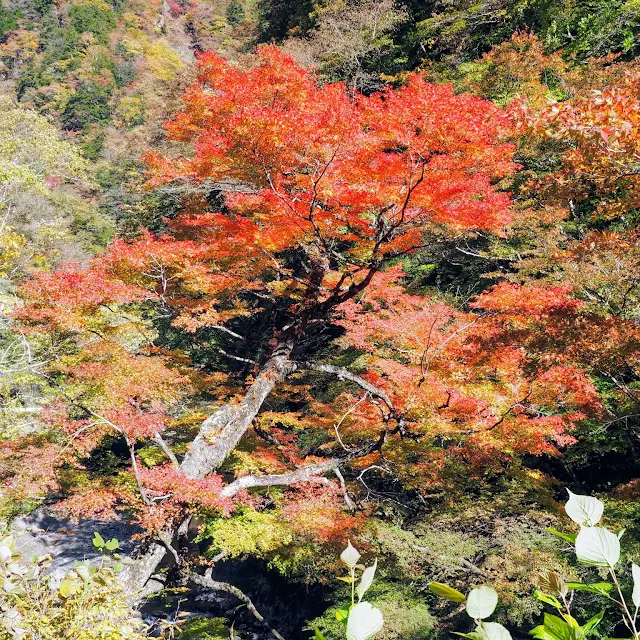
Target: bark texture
(308, 473)
(220, 433)
(218, 436)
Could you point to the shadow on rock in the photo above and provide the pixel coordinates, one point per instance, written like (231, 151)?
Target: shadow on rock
(43, 532)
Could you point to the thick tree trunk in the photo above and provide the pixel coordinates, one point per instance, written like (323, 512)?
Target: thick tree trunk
(220, 433)
(218, 436)
(136, 577)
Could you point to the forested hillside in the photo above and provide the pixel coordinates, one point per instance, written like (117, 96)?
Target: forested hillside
(330, 309)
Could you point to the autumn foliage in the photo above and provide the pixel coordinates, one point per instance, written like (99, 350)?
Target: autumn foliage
(281, 285)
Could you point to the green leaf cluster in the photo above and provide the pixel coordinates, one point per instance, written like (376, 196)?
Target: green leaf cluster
(87, 602)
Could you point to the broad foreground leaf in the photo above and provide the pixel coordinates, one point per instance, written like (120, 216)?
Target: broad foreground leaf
(367, 580)
(598, 546)
(635, 596)
(584, 510)
(350, 556)
(364, 622)
(493, 631)
(481, 602)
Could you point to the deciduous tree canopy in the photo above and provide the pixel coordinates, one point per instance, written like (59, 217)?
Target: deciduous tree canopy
(320, 194)
(378, 281)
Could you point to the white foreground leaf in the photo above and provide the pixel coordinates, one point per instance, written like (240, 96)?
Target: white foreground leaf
(364, 622)
(481, 602)
(493, 631)
(635, 596)
(584, 510)
(598, 546)
(367, 580)
(350, 556)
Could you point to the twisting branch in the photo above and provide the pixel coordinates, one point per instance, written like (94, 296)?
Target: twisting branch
(307, 473)
(226, 354)
(166, 540)
(221, 327)
(209, 583)
(136, 471)
(351, 505)
(75, 435)
(504, 416)
(337, 426)
(344, 374)
(370, 388)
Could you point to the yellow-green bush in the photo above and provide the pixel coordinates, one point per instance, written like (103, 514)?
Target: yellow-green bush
(86, 603)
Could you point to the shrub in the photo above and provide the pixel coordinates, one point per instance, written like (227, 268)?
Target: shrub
(85, 603)
(235, 12)
(8, 20)
(197, 628)
(88, 105)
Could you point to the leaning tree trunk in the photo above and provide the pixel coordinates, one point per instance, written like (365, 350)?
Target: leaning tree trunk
(220, 433)
(218, 436)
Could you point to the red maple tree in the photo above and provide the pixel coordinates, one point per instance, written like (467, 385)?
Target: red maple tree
(299, 202)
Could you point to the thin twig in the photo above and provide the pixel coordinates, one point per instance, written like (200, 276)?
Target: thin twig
(166, 450)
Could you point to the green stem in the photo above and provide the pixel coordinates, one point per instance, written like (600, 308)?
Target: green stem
(632, 621)
(353, 586)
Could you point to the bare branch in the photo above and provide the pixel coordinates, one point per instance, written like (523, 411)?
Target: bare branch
(221, 327)
(347, 413)
(504, 416)
(374, 392)
(344, 374)
(308, 473)
(166, 540)
(238, 358)
(208, 582)
(161, 442)
(351, 505)
(136, 471)
(76, 434)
